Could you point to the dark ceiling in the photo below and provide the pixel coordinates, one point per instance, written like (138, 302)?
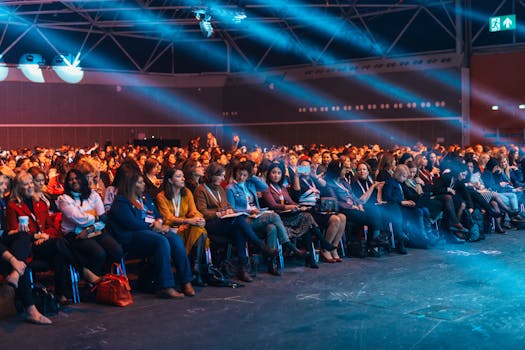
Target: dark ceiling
(163, 36)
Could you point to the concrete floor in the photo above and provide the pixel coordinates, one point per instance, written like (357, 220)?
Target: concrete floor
(469, 296)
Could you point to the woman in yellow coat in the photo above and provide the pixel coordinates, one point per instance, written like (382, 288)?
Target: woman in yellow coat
(177, 207)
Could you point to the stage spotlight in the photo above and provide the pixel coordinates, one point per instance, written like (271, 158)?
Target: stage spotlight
(522, 106)
(204, 20)
(30, 64)
(67, 68)
(495, 108)
(4, 70)
(238, 17)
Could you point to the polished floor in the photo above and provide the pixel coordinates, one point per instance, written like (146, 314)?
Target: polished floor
(469, 296)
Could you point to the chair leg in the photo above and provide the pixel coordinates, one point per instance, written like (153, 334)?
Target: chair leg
(74, 284)
(392, 238)
(342, 244)
(281, 257)
(123, 267)
(315, 254)
(30, 272)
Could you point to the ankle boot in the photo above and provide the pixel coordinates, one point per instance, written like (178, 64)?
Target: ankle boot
(243, 274)
(309, 258)
(267, 250)
(291, 247)
(273, 266)
(401, 249)
(198, 267)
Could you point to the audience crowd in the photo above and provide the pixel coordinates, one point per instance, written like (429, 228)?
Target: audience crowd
(178, 207)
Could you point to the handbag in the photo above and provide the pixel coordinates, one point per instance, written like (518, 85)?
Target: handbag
(328, 205)
(45, 301)
(113, 288)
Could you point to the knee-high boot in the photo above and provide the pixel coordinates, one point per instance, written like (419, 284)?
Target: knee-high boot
(199, 261)
(309, 257)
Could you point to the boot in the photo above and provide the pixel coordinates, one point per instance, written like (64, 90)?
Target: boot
(243, 274)
(273, 266)
(401, 249)
(198, 265)
(309, 258)
(267, 250)
(291, 247)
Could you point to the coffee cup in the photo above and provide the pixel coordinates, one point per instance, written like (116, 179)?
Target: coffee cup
(23, 220)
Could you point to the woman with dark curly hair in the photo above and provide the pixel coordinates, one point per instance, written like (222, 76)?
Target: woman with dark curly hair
(83, 222)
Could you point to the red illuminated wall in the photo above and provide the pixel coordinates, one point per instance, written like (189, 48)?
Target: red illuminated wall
(498, 79)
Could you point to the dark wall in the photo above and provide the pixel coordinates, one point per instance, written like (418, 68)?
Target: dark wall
(498, 79)
(81, 114)
(257, 104)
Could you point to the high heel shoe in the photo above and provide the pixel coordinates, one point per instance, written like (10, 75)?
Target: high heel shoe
(337, 259)
(326, 257)
(188, 290)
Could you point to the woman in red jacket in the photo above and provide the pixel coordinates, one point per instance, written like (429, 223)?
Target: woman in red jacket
(25, 213)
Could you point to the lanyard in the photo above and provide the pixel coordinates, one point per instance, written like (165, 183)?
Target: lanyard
(310, 186)
(342, 187)
(176, 205)
(279, 192)
(350, 198)
(217, 199)
(361, 185)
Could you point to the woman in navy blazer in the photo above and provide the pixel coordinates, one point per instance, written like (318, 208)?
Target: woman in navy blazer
(136, 223)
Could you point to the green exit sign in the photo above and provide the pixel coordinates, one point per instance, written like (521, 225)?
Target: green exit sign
(497, 24)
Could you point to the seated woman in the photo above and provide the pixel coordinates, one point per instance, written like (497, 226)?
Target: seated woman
(475, 184)
(298, 222)
(193, 172)
(29, 215)
(509, 183)
(450, 184)
(178, 210)
(369, 194)
(348, 204)
(151, 172)
(57, 174)
(39, 180)
(393, 195)
(242, 196)
(307, 188)
(135, 222)
(385, 167)
(15, 248)
(83, 223)
(210, 198)
(19, 280)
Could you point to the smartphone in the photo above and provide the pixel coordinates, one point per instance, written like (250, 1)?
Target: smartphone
(303, 169)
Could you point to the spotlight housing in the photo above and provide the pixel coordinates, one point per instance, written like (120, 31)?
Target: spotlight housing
(204, 20)
(4, 70)
(67, 68)
(30, 64)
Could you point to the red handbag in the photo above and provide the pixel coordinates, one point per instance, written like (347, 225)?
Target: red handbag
(113, 288)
